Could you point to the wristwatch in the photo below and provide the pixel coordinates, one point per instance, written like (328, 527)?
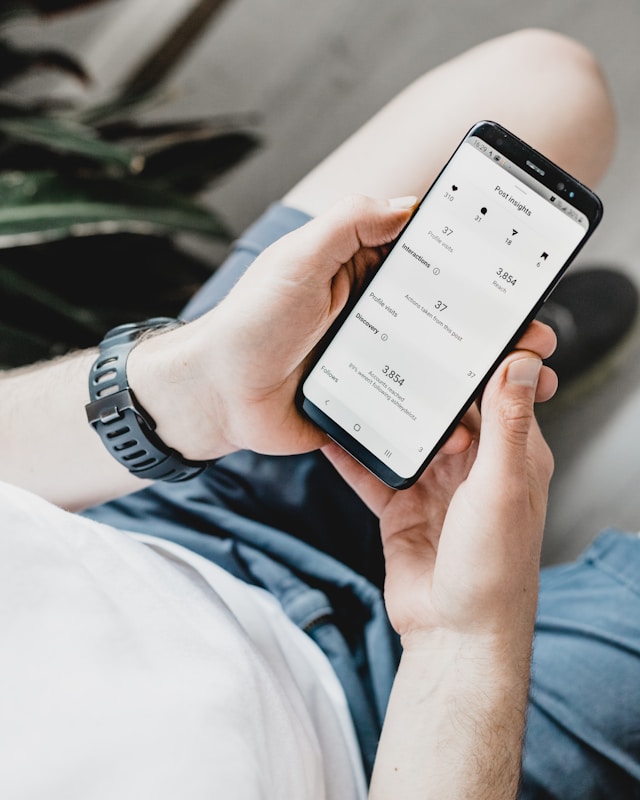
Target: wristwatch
(126, 429)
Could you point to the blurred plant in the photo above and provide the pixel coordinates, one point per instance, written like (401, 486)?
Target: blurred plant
(87, 194)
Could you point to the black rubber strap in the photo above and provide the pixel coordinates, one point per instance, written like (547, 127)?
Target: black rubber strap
(125, 428)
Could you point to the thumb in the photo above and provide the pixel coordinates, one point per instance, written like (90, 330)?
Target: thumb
(507, 410)
(355, 222)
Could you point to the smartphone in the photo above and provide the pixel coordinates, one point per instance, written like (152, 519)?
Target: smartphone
(480, 255)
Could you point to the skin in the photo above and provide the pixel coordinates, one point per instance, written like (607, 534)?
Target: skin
(233, 373)
(462, 545)
(256, 409)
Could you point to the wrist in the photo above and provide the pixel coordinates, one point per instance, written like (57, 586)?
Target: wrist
(163, 371)
(496, 661)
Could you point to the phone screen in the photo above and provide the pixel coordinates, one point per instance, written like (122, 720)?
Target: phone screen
(480, 254)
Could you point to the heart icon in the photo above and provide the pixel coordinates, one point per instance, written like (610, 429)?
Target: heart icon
(454, 188)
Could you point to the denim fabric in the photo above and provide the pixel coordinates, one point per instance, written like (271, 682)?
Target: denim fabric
(583, 732)
(293, 527)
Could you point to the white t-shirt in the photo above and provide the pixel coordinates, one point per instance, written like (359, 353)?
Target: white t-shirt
(133, 668)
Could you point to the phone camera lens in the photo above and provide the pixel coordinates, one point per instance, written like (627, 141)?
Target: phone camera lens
(560, 186)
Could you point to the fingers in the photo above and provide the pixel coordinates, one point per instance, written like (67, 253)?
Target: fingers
(507, 406)
(547, 385)
(464, 434)
(371, 491)
(331, 240)
(510, 437)
(539, 338)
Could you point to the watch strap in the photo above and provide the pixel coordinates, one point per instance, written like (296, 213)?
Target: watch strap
(126, 429)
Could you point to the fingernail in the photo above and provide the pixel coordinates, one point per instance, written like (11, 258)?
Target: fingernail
(524, 372)
(405, 203)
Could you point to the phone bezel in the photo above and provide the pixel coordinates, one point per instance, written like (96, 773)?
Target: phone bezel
(530, 160)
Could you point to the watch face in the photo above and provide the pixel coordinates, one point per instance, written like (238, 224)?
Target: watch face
(129, 330)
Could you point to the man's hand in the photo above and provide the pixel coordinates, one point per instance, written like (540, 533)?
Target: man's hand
(224, 382)
(462, 549)
(237, 369)
(234, 373)
(462, 545)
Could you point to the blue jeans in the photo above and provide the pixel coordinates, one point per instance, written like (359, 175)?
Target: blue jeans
(583, 731)
(292, 526)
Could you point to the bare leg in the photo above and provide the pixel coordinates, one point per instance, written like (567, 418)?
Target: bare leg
(544, 87)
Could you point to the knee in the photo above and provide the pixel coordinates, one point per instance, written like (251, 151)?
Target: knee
(576, 95)
(574, 65)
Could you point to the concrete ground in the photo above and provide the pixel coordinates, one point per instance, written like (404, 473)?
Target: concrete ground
(313, 72)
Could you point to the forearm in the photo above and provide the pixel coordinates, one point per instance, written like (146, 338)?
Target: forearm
(47, 444)
(455, 721)
(462, 556)
(225, 381)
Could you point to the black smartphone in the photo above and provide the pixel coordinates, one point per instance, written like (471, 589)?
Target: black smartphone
(481, 253)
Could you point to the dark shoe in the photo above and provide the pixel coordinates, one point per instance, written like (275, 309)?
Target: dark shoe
(591, 312)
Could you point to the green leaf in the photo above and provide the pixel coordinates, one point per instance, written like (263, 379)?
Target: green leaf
(15, 284)
(163, 275)
(19, 348)
(67, 136)
(191, 166)
(154, 136)
(48, 292)
(42, 206)
(15, 62)
(119, 105)
(187, 160)
(186, 156)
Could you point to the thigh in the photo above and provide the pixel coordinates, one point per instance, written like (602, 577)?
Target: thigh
(544, 87)
(558, 91)
(583, 730)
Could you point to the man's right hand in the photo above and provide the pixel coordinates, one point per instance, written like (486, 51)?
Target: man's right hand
(462, 552)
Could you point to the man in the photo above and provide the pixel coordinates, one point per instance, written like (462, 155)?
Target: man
(133, 666)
